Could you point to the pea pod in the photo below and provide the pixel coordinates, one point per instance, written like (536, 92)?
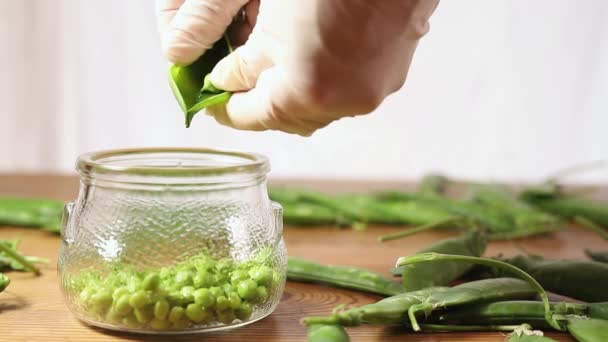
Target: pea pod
(525, 333)
(191, 86)
(391, 310)
(440, 273)
(526, 220)
(570, 206)
(597, 255)
(4, 281)
(17, 258)
(327, 333)
(341, 276)
(588, 329)
(513, 312)
(28, 212)
(566, 277)
(478, 291)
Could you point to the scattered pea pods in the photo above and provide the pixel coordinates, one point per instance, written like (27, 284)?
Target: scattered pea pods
(440, 273)
(327, 333)
(341, 276)
(584, 280)
(569, 206)
(391, 310)
(481, 290)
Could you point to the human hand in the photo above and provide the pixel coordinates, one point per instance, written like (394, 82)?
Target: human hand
(309, 63)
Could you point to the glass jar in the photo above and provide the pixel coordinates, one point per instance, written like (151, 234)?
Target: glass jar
(167, 240)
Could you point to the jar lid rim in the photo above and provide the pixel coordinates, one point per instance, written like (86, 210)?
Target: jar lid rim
(104, 162)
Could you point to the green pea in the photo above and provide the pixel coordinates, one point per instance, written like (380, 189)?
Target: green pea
(161, 309)
(85, 295)
(143, 316)
(204, 297)
(216, 291)
(262, 293)
(176, 313)
(151, 281)
(226, 316)
(222, 303)
(247, 289)
(131, 322)
(235, 300)
(183, 278)
(244, 312)
(159, 324)
(237, 276)
(262, 274)
(122, 305)
(180, 324)
(195, 313)
(101, 301)
(133, 283)
(188, 293)
(119, 292)
(164, 273)
(140, 299)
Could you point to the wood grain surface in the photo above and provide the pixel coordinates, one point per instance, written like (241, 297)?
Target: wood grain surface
(32, 308)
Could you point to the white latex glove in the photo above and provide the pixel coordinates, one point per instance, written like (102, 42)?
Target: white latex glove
(189, 27)
(310, 62)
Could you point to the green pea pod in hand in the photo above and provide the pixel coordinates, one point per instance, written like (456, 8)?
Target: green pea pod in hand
(391, 310)
(481, 290)
(327, 333)
(588, 329)
(584, 280)
(440, 273)
(525, 333)
(191, 86)
(597, 255)
(341, 276)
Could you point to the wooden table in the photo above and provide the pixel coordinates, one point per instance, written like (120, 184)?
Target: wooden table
(32, 308)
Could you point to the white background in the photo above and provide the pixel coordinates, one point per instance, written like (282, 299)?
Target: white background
(506, 90)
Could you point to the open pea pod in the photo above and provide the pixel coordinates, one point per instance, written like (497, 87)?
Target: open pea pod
(191, 86)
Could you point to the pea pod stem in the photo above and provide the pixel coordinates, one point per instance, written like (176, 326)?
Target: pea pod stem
(421, 228)
(19, 258)
(486, 262)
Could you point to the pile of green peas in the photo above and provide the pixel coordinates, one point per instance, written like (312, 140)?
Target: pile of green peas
(200, 291)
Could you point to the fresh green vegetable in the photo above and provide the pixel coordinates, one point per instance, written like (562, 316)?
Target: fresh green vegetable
(584, 280)
(327, 333)
(391, 310)
(191, 86)
(29, 212)
(440, 273)
(201, 290)
(478, 291)
(588, 329)
(524, 218)
(4, 281)
(341, 276)
(569, 206)
(511, 312)
(9, 263)
(525, 333)
(447, 222)
(15, 260)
